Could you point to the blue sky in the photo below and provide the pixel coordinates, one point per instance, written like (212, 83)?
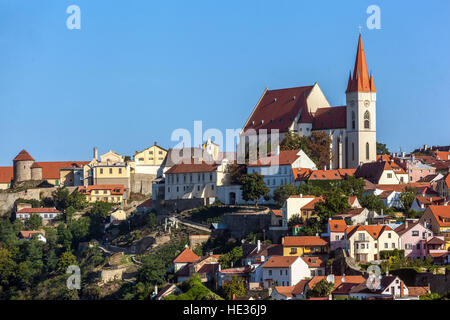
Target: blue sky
(137, 70)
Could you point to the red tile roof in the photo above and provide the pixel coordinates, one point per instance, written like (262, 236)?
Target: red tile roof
(304, 241)
(418, 291)
(279, 262)
(442, 214)
(39, 210)
(50, 170)
(301, 174)
(187, 255)
(146, 204)
(285, 291)
(6, 174)
(330, 118)
(29, 234)
(314, 262)
(374, 230)
(192, 168)
(278, 213)
(337, 280)
(286, 157)
(277, 109)
(23, 156)
(115, 189)
(337, 225)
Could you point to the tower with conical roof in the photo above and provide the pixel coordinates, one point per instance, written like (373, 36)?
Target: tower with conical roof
(360, 142)
(22, 164)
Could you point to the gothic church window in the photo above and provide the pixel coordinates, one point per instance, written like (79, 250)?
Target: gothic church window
(367, 120)
(367, 151)
(353, 120)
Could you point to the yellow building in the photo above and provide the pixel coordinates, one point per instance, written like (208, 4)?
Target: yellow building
(106, 193)
(153, 155)
(300, 246)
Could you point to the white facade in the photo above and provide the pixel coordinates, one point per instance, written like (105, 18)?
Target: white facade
(292, 207)
(285, 276)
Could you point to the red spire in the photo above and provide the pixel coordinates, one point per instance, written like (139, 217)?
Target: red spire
(361, 81)
(372, 84)
(23, 156)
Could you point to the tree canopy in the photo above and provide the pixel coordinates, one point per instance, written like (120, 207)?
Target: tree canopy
(253, 187)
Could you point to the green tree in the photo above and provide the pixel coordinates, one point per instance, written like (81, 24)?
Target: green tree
(352, 186)
(322, 289)
(335, 202)
(319, 143)
(231, 258)
(234, 287)
(382, 149)
(64, 236)
(407, 197)
(61, 198)
(313, 227)
(253, 187)
(282, 193)
(296, 219)
(293, 141)
(236, 172)
(373, 203)
(77, 200)
(70, 212)
(152, 271)
(80, 229)
(152, 220)
(7, 267)
(67, 259)
(34, 222)
(100, 210)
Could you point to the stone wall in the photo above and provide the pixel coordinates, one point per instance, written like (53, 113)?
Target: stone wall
(241, 224)
(142, 183)
(108, 275)
(439, 283)
(197, 239)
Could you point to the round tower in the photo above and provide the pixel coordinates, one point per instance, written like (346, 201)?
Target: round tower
(22, 166)
(36, 172)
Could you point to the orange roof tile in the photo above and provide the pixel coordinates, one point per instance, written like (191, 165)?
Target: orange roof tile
(314, 262)
(278, 213)
(6, 174)
(361, 81)
(337, 225)
(39, 210)
(330, 118)
(192, 168)
(374, 230)
(301, 174)
(23, 156)
(187, 255)
(337, 280)
(442, 214)
(303, 241)
(279, 262)
(285, 291)
(115, 189)
(50, 170)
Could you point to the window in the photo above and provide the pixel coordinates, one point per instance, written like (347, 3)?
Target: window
(389, 175)
(367, 151)
(281, 273)
(386, 245)
(415, 233)
(293, 250)
(150, 152)
(210, 177)
(101, 171)
(198, 188)
(393, 245)
(120, 170)
(418, 246)
(159, 152)
(361, 236)
(367, 120)
(389, 235)
(168, 189)
(270, 272)
(353, 120)
(337, 238)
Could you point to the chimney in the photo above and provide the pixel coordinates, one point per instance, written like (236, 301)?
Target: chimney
(95, 153)
(343, 278)
(259, 245)
(317, 234)
(263, 258)
(301, 195)
(156, 143)
(220, 268)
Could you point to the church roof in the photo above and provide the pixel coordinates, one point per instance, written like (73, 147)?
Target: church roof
(361, 80)
(330, 118)
(277, 109)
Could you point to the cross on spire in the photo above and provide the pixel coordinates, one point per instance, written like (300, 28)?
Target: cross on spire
(360, 29)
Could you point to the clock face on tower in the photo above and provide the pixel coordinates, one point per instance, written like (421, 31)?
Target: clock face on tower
(367, 103)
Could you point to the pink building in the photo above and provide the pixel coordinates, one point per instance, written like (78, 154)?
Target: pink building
(336, 230)
(413, 239)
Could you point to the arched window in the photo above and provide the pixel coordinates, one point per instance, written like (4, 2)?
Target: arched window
(367, 151)
(367, 120)
(353, 120)
(353, 151)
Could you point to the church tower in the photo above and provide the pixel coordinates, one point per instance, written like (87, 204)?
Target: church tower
(360, 141)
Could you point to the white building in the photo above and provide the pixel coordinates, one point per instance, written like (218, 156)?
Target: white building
(302, 110)
(284, 271)
(45, 213)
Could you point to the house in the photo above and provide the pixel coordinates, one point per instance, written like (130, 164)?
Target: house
(257, 253)
(342, 284)
(107, 193)
(356, 216)
(336, 231)
(380, 172)
(365, 242)
(243, 273)
(145, 207)
(276, 218)
(443, 187)
(354, 202)
(391, 198)
(304, 176)
(284, 271)
(295, 292)
(316, 265)
(414, 239)
(28, 235)
(206, 268)
(436, 247)
(47, 214)
(301, 205)
(421, 203)
(277, 168)
(6, 177)
(195, 180)
(389, 287)
(307, 245)
(437, 219)
(186, 256)
(150, 160)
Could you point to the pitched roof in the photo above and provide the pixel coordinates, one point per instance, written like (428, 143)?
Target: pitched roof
(277, 109)
(373, 230)
(187, 255)
(38, 210)
(436, 240)
(338, 280)
(299, 288)
(146, 204)
(314, 262)
(427, 201)
(115, 189)
(23, 156)
(337, 225)
(361, 81)
(192, 168)
(442, 214)
(50, 170)
(29, 234)
(384, 283)
(304, 241)
(285, 291)
(277, 213)
(401, 229)
(330, 118)
(301, 174)
(6, 174)
(351, 212)
(372, 171)
(279, 262)
(286, 157)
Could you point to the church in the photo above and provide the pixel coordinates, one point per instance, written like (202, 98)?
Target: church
(302, 110)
